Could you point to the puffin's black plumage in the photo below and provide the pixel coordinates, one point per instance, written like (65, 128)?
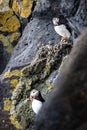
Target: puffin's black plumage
(39, 97)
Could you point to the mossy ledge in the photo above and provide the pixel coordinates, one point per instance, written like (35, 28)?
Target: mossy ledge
(35, 75)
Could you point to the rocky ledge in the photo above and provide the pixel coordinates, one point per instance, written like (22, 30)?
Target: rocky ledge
(31, 53)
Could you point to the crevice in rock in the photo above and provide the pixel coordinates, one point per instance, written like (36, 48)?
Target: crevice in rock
(76, 6)
(4, 57)
(33, 7)
(24, 21)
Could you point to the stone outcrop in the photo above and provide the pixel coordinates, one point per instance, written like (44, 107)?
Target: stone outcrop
(35, 75)
(37, 56)
(9, 30)
(22, 8)
(11, 22)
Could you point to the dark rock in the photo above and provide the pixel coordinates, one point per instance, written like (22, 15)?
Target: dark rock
(5, 123)
(4, 57)
(40, 29)
(78, 21)
(37, 33)
(65, 108)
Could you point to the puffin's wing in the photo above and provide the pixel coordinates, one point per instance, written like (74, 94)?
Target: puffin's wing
(62, 31)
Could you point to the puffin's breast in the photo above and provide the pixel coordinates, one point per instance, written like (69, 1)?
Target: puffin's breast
(62, 31)
(36, 105)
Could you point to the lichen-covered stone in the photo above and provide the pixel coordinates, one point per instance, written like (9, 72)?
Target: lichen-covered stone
(47, 59)
(13, 37)
(35, 75)
(9, 31)
(5, 123)
(36, 67)
(51, 79)
(4, 16)
(15, 122)
(11, 25)
(8, 41)
(14, 73)
(4, 5)
(9, 22)
(22, 8)
(12, 78)
(14, 82)
(7, 104)
(7, 45)
(18, 110)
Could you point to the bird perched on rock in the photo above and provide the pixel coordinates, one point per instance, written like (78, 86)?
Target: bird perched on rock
(37, 100)
(61, 29)
(66, 106)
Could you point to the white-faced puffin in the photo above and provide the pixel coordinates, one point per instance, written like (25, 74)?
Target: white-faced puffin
(37, 100)
(61, 29)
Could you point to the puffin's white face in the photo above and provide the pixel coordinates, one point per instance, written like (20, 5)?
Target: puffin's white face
(33, 94)
(55, 21)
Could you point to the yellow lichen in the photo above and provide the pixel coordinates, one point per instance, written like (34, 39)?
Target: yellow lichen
(5, 15)
(14, 82)
(47, 68)
(14, 37)
(6, 43)
(11, 25)
(23, 8)
(7, 104)
(7, 74)
(7, 40)
(16, 7)
(15, 122)
(4, 40)
(26, 10)
(11, 91)
(16, 73)
(9, 49)
(49, 85)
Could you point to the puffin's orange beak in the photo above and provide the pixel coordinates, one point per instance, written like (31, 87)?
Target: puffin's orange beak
(31, 98)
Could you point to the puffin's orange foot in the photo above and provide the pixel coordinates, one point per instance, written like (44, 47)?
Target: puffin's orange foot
(64, 39)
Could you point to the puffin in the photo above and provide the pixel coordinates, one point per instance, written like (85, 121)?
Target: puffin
(36, 100)
(61, 30)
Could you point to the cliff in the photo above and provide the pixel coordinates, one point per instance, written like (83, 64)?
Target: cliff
(31, 53)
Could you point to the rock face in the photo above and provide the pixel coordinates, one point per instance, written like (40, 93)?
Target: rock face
(36, 58)
(22, 8)
(65, 108)
(9, 31)
(11, 23)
